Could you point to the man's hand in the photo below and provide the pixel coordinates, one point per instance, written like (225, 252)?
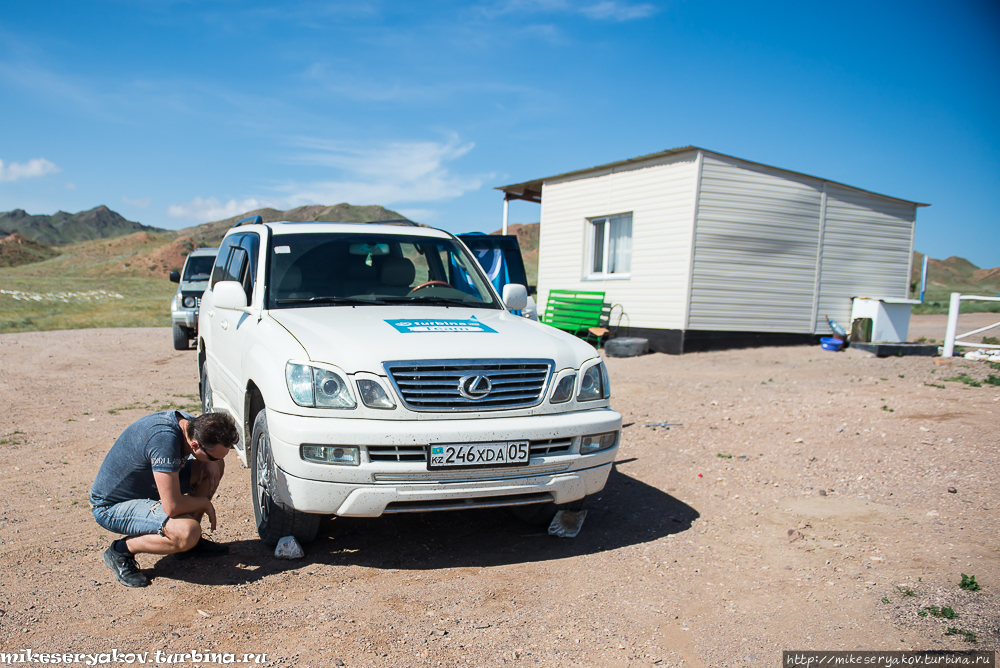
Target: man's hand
(210, 511)
(176, 504)
(208, 471)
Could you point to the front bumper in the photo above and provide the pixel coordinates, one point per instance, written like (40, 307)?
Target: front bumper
(376, 487)
(185, 318)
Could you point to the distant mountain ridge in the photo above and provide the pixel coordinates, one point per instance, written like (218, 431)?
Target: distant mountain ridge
(954, 274)
(149, 252)
(210, 234)
(66, 228)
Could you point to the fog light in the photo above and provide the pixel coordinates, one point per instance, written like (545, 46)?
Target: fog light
(340, 455)
(597, 442)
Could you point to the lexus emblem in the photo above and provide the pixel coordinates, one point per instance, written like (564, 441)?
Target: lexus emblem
(474, 387)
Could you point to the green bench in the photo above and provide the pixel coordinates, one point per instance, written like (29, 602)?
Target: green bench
(576, 312)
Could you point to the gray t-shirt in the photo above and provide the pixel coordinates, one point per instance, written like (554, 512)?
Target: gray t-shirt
(152, 443)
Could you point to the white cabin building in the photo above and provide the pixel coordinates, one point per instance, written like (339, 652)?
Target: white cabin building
(703, 250)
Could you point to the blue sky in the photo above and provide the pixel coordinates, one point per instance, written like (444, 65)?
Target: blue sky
(175, 113)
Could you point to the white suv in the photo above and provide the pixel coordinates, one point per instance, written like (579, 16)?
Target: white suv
(374, 369)
(192, 281)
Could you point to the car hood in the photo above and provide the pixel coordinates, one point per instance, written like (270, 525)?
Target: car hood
(193, 286)
(362, 338)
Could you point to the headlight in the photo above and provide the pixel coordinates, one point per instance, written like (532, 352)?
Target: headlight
(592, 384)
(589, 444)
(373, 396)
(314, 387)
(332, 454)
(564, 390)
(189, 302)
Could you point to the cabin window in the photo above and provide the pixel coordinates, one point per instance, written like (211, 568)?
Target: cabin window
(611, 245)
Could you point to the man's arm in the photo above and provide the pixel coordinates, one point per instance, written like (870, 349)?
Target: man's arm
(176, 504)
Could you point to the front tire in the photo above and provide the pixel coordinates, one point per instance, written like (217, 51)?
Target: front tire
(274, 519)
(181, 337)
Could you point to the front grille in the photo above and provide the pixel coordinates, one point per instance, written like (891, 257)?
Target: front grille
(396, 453)
(552, 446)
(434, 385)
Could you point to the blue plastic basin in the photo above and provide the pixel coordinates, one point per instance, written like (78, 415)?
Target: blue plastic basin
(830, 343)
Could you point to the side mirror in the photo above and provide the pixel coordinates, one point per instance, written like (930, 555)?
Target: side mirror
(175, 277)
(515, 296)
(229, 295)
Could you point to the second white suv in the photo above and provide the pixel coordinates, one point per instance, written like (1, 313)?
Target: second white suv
(373, 369)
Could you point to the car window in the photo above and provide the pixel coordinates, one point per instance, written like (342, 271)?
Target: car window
(198, 268)
(222, 259)
(313, 269)
(251, 242)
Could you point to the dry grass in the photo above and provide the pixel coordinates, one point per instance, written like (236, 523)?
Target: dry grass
(38, 304)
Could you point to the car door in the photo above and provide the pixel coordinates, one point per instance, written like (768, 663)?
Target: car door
(229, 328)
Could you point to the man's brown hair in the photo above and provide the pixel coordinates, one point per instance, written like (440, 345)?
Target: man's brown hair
(212, 429)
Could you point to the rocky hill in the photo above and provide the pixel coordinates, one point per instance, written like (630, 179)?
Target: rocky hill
(210, 234)
(17, 249)
(954, 274)
(150, 252)
(67, 228)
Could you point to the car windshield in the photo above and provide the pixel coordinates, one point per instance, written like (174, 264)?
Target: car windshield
(372, 269)
(198, 268)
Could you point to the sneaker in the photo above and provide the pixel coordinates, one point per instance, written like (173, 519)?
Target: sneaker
(202, 549)
(124, 567)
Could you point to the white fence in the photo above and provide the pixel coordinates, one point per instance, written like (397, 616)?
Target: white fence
(951, 337)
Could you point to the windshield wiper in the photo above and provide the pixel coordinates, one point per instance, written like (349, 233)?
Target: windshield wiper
(438, 301)
(353, 301)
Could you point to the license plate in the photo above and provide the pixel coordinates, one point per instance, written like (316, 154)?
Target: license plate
(478, 455)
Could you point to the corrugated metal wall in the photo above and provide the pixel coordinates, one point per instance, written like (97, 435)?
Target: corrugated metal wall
(867, 242)
(660, 196)
(755, 249)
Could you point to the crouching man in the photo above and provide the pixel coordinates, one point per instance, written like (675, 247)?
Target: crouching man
(156, 484)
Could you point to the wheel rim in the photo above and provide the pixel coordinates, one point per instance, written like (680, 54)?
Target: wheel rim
(206, 390)
(263, 466)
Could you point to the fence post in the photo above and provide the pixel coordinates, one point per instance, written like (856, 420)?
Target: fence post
(949, 335)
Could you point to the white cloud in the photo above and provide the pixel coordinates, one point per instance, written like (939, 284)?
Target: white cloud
(604, 10)
(16, 171)
(392, 172)
(70, 186)
(419, 215)
(617, 11)
(206, 210)
(139, 202)
(412, 171)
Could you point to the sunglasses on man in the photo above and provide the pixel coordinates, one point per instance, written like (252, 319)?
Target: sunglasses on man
(210, 457)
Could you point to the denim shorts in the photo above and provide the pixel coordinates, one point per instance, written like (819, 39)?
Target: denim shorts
(139, 517)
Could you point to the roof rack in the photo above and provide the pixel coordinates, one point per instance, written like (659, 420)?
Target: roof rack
(250, 220)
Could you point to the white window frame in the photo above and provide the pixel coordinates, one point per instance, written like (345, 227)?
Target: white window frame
(589, 273)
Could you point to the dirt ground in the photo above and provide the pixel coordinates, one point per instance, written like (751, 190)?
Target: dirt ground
(811, 500)
(933, 327)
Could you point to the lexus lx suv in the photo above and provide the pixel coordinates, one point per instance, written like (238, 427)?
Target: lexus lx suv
(374, 369)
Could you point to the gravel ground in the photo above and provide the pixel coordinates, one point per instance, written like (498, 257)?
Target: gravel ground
(805, 503)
